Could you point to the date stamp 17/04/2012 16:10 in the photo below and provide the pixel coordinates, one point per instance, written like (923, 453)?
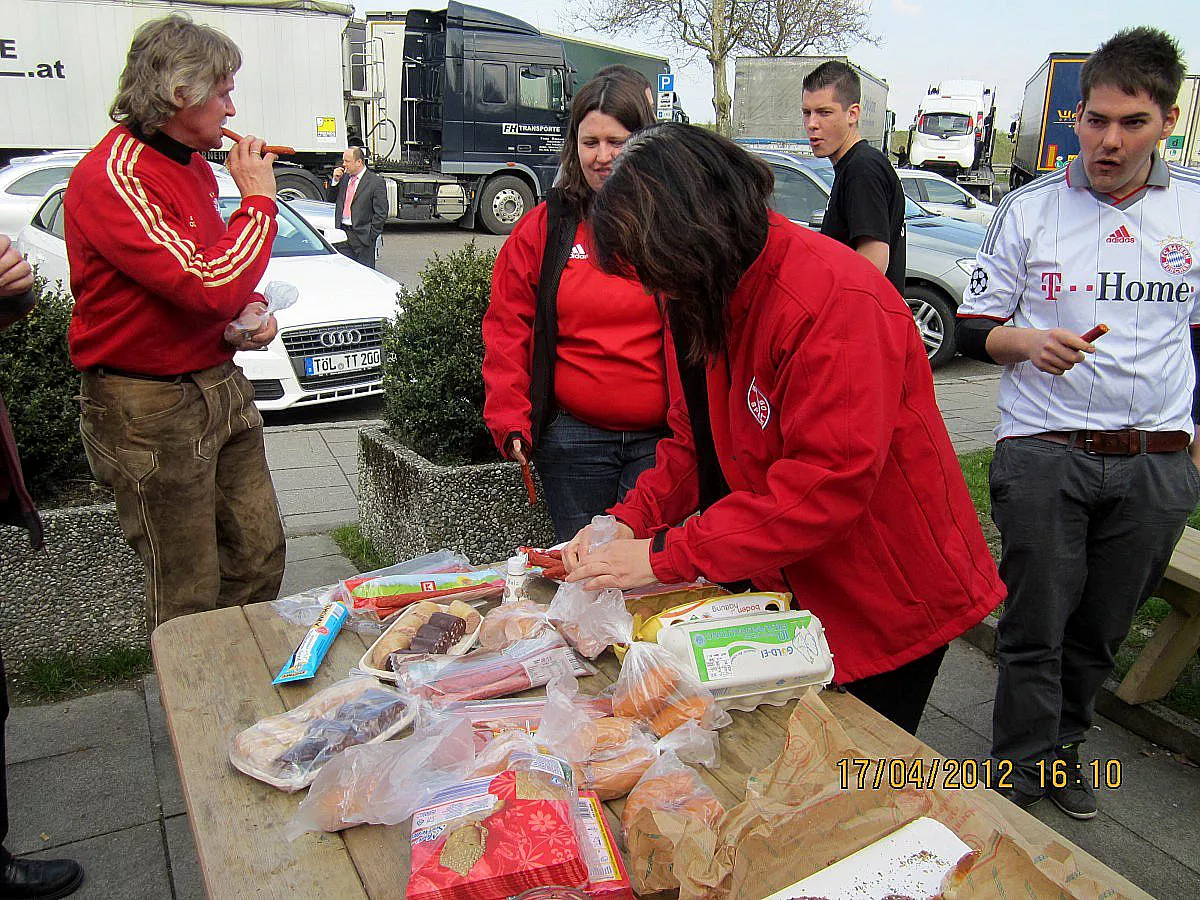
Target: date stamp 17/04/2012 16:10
(898, 773)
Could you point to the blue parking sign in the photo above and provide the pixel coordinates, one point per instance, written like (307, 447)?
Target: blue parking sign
(666, 82)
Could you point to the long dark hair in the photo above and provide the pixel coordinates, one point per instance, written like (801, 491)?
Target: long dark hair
(622, 98)
(685, 211)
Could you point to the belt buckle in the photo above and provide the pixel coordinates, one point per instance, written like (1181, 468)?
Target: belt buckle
(1088, 444)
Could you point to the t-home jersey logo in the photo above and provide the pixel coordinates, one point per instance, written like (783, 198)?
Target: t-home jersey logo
(1118, 286)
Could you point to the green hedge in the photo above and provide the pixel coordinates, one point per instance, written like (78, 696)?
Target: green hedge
(433, 360)
(39, 385)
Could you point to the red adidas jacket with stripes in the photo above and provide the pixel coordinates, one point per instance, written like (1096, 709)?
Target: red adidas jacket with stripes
(155, 272)
(845, 487)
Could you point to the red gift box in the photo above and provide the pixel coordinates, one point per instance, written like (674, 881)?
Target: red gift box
(491, 838)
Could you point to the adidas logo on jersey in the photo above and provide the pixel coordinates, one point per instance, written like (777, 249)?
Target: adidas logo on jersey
(1121, 236)
(578, 252)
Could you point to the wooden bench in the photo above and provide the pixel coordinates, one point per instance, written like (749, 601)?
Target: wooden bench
(1177, 638)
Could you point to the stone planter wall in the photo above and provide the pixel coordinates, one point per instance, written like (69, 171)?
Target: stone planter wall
(408, 506)
(82, 594)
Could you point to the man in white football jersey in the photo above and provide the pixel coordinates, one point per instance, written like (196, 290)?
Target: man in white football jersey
(1092, 480)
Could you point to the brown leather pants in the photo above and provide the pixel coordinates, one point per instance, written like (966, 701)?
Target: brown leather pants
(187, 462)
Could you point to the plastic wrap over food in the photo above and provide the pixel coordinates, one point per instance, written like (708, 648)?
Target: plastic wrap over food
(654, 688)
(508, 623)
(591, 621)
(385, 783)
(490, 718)
(288, 750)
(484, 674)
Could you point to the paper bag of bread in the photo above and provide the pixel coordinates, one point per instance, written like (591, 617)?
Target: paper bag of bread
(655, 689)
(385, 783)
(670, 804)
(508, 623)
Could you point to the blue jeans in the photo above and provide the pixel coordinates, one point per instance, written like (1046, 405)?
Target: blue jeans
(585, 469)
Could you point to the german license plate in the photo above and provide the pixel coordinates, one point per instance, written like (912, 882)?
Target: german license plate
(337, 363)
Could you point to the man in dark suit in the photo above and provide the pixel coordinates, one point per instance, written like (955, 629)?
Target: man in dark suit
(360, 205)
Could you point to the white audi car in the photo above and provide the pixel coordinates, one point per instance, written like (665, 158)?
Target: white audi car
(329, 343)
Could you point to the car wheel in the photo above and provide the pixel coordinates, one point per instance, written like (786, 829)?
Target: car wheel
(504, 201)
(935, 322)
(291, 186)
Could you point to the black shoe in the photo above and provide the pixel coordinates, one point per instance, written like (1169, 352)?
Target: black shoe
(1076, 798)
(41, 878)
(1020, 798)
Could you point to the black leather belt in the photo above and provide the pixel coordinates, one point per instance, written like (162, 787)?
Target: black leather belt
(1127, 442)
(105, 371)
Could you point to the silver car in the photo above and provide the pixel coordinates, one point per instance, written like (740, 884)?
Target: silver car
(940, 252)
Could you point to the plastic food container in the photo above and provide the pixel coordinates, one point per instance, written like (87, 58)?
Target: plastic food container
(366, 664)
(753, 659)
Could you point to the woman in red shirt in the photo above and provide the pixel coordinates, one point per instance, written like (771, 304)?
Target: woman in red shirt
(573, 363)
(805, 428)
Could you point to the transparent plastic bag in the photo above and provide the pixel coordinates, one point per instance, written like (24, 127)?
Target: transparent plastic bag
(654, 688)
(385, 783)
(591, 621)
(279, 295)
(490, 718)
(305, 607)
(508, 623)
(288, 750)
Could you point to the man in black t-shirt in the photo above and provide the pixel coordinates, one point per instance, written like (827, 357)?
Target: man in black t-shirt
(866, 205)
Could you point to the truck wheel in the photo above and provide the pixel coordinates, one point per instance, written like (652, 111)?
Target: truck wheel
(294, 186)
(935, 322)
(503, 202)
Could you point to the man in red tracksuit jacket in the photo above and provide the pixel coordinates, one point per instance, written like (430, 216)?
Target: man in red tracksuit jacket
(167, 418)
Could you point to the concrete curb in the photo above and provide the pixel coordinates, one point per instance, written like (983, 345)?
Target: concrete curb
(1153, 721)
(322, 426)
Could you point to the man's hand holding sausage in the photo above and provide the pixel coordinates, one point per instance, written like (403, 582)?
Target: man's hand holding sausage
(1055, 351)
(253, 172)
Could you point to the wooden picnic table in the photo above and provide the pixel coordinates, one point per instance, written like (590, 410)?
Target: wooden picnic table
(215, 672)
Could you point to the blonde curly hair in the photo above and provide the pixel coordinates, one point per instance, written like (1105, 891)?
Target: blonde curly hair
(169, 54)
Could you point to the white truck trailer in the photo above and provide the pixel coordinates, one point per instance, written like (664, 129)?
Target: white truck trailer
(768, 102)
(462, 109)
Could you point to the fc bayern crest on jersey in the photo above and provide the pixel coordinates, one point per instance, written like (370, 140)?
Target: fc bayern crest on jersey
(758, 404)
(1176, 256)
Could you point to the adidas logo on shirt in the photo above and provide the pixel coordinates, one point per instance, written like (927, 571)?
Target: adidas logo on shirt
(1121, 236)
(577, 252)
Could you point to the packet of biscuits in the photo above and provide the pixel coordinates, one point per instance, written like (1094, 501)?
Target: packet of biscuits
(497, 836)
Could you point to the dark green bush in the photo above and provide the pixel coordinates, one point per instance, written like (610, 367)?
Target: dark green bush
(433, 360)
(39, 385)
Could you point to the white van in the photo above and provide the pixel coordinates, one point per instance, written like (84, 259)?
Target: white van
(951, 126)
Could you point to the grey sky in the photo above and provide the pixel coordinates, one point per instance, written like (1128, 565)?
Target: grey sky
(923, 41)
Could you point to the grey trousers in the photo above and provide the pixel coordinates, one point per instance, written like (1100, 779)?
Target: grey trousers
(187, 463)
(1085, 539)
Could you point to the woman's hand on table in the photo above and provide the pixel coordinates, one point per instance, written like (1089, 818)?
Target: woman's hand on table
(624, 563)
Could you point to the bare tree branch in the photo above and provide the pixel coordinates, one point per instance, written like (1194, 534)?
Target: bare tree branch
(719, 28)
